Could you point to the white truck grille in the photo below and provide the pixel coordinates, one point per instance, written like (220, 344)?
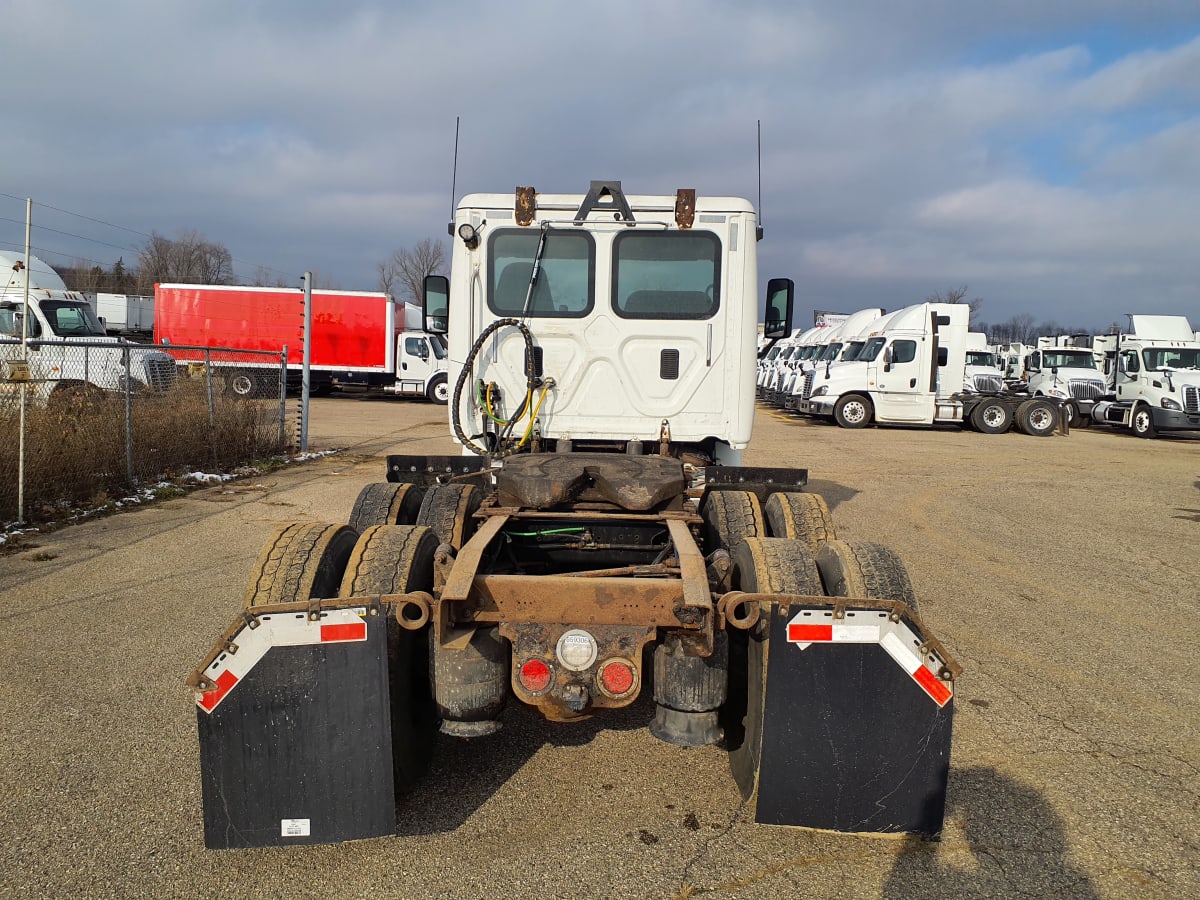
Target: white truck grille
(808, 383)
(989, 383)
(1191, 398)
(1086, 388)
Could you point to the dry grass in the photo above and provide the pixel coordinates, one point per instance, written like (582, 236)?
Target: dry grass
(76, 452)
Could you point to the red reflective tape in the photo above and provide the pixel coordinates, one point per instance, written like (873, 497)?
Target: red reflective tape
(802, 634)
(350, 631)
(225, 682)
(934, 686)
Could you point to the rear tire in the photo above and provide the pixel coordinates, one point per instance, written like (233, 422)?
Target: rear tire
(992, 417)
(396, 559)
(449, 509)
(1037, 417)
(799, 517)
(760, 565)
(386, 503)
(240, 384)
(729, 517)
(302, 561)
(862, 569)
(853, 411)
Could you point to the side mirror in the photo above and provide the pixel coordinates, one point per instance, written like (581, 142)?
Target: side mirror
(777, 319)
(435, 313)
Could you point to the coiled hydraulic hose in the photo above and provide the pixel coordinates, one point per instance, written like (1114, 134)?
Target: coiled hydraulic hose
(531, 383)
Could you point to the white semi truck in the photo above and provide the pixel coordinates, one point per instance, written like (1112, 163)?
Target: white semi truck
(981, 373)
(1067, 373)
(849, 337)
(602, 347)
(60, 348)
(912, 373)
(1155, 385)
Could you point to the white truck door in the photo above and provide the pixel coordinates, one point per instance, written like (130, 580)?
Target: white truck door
(903, 391)
(417, 363)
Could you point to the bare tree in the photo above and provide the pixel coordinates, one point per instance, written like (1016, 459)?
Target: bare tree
(189, 258)
(264, 277)
(404, 272)
(958, 295)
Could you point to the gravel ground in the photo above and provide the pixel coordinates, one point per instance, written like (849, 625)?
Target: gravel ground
(1062, 573)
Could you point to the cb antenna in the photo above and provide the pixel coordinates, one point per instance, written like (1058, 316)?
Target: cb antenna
(453, 180)
(758, 231)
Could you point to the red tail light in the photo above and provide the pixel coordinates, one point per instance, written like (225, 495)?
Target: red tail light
(617, 677)
(534, 675)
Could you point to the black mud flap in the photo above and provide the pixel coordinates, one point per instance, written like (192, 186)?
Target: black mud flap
(856, 720)
(295, 741)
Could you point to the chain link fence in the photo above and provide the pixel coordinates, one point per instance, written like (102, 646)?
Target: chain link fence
(89, 421)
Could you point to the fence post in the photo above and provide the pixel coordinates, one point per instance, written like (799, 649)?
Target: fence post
(212, 412)
(126, 359)
(283, 397)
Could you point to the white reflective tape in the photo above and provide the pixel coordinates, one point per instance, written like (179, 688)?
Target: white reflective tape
(274, 630)
(856, 634)
(908, 659)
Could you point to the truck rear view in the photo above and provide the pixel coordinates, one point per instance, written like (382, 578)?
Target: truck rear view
(597, 540)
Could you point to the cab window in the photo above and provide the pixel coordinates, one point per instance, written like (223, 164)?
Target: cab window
(416, 347)
(904, 351)
(564, 287)
(666, 275)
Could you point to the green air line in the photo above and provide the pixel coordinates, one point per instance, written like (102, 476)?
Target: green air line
(547, 531)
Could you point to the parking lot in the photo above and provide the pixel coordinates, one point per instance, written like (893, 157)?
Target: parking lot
(1063, 573)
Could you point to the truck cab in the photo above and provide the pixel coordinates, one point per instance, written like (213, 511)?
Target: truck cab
(1066, 373)
(645, 321)
(1156, 383)
(981, 375)
(67, 349)
(902, 372)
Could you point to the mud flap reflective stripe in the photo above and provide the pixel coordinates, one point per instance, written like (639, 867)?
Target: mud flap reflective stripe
(856, 726)
(296, 747)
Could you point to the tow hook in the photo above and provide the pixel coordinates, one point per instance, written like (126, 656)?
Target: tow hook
(575, 697)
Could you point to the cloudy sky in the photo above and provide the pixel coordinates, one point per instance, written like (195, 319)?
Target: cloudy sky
(1041, 152)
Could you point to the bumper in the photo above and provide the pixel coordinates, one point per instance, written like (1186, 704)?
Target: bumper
(816, 406)
(1174, 420)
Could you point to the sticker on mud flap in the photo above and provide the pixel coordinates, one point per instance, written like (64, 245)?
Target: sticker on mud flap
(294, 827)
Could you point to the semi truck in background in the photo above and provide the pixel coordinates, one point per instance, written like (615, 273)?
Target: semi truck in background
(849, 337)
(1066, 372)
(1155, 383)
(362, 341)
(913, 372)
(68, 354)
(981, 373)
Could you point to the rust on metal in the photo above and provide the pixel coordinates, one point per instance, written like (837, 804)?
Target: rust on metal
(526, 205)
(561, 598)
(536, 640)
(685, 207)
(466, 564)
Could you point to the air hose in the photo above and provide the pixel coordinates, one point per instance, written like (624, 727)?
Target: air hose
(532, 382)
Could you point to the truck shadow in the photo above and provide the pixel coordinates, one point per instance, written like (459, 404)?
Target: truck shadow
(832, 492)
(465, 774)
(1015, 846)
